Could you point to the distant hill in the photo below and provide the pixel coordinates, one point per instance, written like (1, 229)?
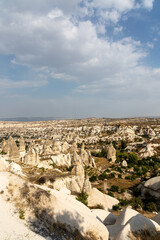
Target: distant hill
(28, 119)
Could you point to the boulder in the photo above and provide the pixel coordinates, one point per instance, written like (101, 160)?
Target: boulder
(124, 163)
(95, 197)
(136, 225)
(122, 219)
(151, 186)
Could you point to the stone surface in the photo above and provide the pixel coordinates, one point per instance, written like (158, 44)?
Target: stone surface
(151, 186)
(104, 216)
(95, 197)
(111, 153)
(56, 207)
(3, 165)
(137, 224)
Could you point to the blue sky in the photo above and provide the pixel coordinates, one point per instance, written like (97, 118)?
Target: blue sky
(75, 59)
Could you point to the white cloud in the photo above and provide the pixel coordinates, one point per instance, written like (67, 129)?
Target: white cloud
(118, 29)
(6, 83)
(148, 4)
(120, 5)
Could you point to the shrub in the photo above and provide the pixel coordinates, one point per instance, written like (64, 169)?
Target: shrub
(83, 198)
(111, 194)
(93, 178)
(124, 202)
(116, 207)
(114, 188)
(123, 190)
(21, 214)
(123, 144)
(151, 207)
(127, 177)
(103, 176)
(136, 192)
(111, 175)
(136, 203)
(99, 206)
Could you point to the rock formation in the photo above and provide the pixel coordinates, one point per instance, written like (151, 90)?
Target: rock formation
(22, 145)
(56, 148)
(111, 153)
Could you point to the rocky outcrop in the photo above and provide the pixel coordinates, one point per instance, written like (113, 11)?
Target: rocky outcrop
(21, 145)
(86, 157)
(56, 148)
(130, 221)
(57, 208)
(73, 148)
(31, 157)
(111, 153)
(151, 186)
(47, 152)
(3, 165)
(11, 149)
(76, 184)
(62, 160)
(78, 169)
(136, 225)
(147, 151)
(95, 197)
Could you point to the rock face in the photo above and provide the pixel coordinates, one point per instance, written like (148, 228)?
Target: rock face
(122, 219)
(130, 221)
(86, 157)
(76, 184)
(138, 224)
(151, 186)
(56, 148)
(31, 157)
(47, 151)
(62, 159)
(147, 151)
(3, 165)
(73, 148)
(58, 208)
(96, 197)
(11, 149)
(111, 153)
(78, 169)
(16, 169)
(4, 143)
(104, 216)
(22, 145)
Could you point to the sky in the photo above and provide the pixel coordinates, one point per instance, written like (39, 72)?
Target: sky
(78, 59)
